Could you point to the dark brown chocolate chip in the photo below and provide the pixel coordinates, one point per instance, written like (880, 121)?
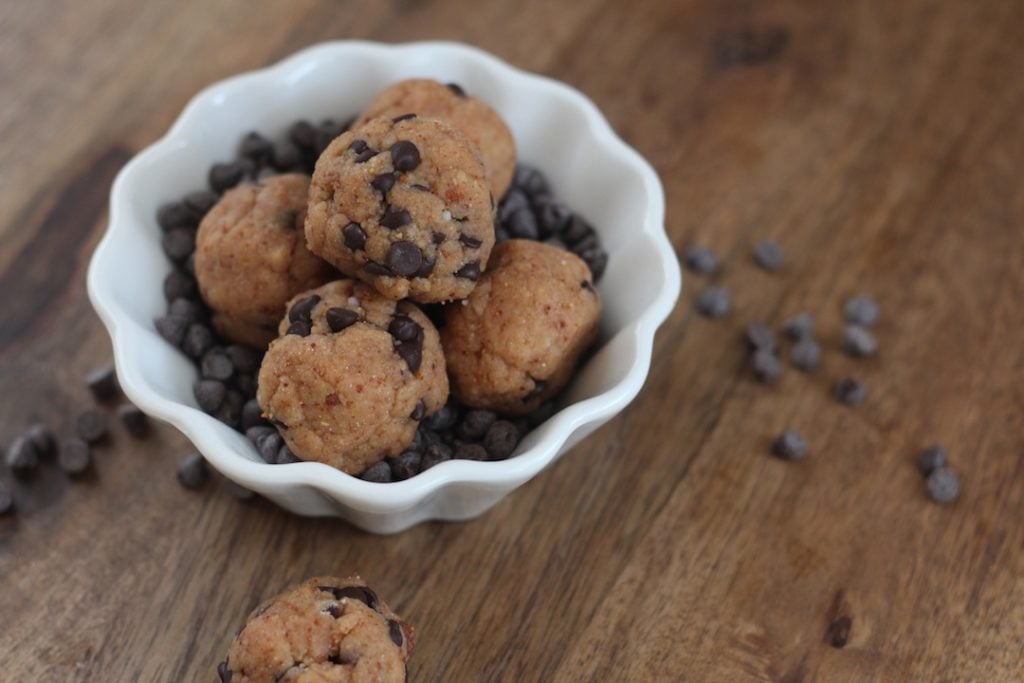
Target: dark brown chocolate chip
(379, 473)
(457, 89)
(531, 180)
(193, 471)
(501, 439)
(427, 268)
(361, 593)
(74, 457)
(419, 411)
(790, 445)
(286, 456)
(395, 218)
(470, 451)
(405, 156)
(412, 353)
(172, 328)
(256, 147)
(395, 631)
(209, 394)
(475, 424)
(198, 340)
(405, 465)
(470, 242)
(354, 236)
(434, 455)
(437, 237)
(174, 215)
(224, 672)
(216, 364)
(42, 438)
(421, 188)
(287, 157)
(102, 382)
(252, 415)
(838, 632)
(6, 499)
(21, 456)
(300, 327)
(179, 243)
(443, 419)
(552, 217)
(303, 308)
(134, 420)
(245, 359)
(404, 328)
(179, 285)
(378, 269)
(246, 384)
(383, 182)
(366, 155)
(576, 230)
(587, 286)
(404, 258)
(223, 177)
(191, 311)
(522, 224)
(334, 610)
(268, 446)
(91, 425)
(359, 146)
(403, 117)
(340, 318)
(302, 134)
(596, 259)
(470, 271)
(230, 411)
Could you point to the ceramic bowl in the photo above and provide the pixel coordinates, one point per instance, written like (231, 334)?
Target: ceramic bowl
(556, 128)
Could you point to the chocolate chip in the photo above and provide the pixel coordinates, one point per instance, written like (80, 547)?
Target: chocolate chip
(419, 411)
(198, 340)
(515, 200)
(858, 342)
(269, 445)
(256, 147)
(404, 328)
(596, 259)
(501, 439)
(175, 215)
(74, 457)
(806, 355)
(172, 328)
(403, 117)
(179, 243)
(379, 472)
(244, 358)
(943, 485)
(437, 237)
(445, 418)
(302, 328)
(760, 336)
(258, 432)
(766, 366)
(701, 260)
(531, 180)
(456, 88)
(190, 311)
(412, 353)
(522, 224)
(340, 318)
(378, 269)
(216, 364)
(359, 146)
(91, 425)
(302, 133)
(354, 236)
(474, 424)
(768, 255)
(714, 302)
(861, 310)
(192, 471)
(6, 499)
(303, 308)
(21, 456)
(252, 415)
(470, 271)
(404, 258)
(42, 439)
(584, 284)
(790, 445)
(287, 157)
(209, 394)
(405, 465)
(434, 455)
(420, 187)
(134, 420)
(469, 451)
(544, 411)
(395, 218)
(179, 285)
(383, 182)
(405, 156)
(246, 384)
(469, 242)
(850, 392)
(577, 230)
(361, 593)
(395, 631)
(365, 155)
(500, 235)
(427, 268)
(286, 456)
(838, 632)
(223, 177)
(799, 326)
(931, 459)
(102, 382)
(552, 218)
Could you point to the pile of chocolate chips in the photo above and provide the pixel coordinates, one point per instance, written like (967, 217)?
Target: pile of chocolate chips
(226, 388)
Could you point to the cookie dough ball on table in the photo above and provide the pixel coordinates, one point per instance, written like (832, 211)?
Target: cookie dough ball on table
(514, 342)
(482, 125)
(404, 206)
(325, 629)
(251, 257)
(351, 376)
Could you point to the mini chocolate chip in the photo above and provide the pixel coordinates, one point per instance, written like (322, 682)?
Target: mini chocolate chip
(760, 336)
(252, 415)
(445, 418)
(861, 310)
(102, 382)
(230, 411)
(378, 269)
(404, 258)
(931, 459)
(184, 308)
(943, 485)
(42, 438)
(303, 308)
(470, 271)
(552, 217)
(500, 235)
(515, 199)
(858, 342)
(287, 157)
(768, 255)
(359, 146)
(91, 425)
(285, 455)
(474, 424)
(799, 326)
(714, 302)
(340, 318)
(302, 134)
(302, 328)
(395, 631)
(395, 218)
(531, 180)
(21, 456)
(412, 353)
(172, 328)
(766, 366)
(405, 156)
(469, 451)
(420, 187)
(268, 446)
(790, 445)
(209, 394)
(427, 268)
(404, 328)
(403, 117)
(179, 285)
(501, 439)
(456, 88)
(193, 471)
(522, 224)
(539, 386)
(366, 155)
(470, 242)
(405, 465)
(361, 593)
(174, 215)
(701, 260)
(379, 473)
(435, 454)
(587, 286)
(246, 384)
(245, 359)
(223, 177)
(258, 432)
(596, 259)
(806, 355)
(256, 147)
(850, 392)
(588, 242)
(383, 182)
(334, 610)
(179, 243)
(199, 203)
(437, 237)
(198, 340)
(838, 632)
(419, 411)
(354, 236)
(134, 420)
(74, 457)
(216, 364)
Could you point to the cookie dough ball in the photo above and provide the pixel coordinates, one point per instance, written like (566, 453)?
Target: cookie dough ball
(404, 206)
(482, 125)
(514, 342)
(251, 257)
(326, 630)
(351, 376)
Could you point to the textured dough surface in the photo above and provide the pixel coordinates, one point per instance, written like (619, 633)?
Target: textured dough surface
(515, 341)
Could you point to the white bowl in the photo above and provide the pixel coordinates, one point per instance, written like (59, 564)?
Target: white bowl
(556, 128)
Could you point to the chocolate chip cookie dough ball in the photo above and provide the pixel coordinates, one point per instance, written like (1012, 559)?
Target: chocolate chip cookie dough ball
(324, 630)
(404, 206)
(514, 342)
(482, 125)
(351, 376)
(251, 257)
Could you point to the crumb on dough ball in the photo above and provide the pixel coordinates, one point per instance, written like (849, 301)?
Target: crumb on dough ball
(403, 205)
(251, 257)
(514, 343)
(481, 124)
(326, 629)
(352, 375)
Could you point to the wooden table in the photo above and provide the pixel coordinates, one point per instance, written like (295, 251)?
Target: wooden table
(881, 142)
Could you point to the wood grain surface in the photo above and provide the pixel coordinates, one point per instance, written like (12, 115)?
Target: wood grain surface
(880, 142)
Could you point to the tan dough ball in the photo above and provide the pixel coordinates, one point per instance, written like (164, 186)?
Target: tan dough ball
(482, 125)
(351, 376)
(515, 341)
(325, 630)
(251, 257)
(403, 206)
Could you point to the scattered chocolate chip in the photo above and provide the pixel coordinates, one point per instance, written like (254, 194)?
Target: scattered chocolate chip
(806, 355)
(395, 218)
(943, 485)
(378, 269)
(209, 394)
(470, 242)
(405, 156)
(354, 236)
(838, 632)
(359, 146)
(379, 472)
(760, 336)
(216, 364)
(245, 359)
(577, 230)
(74, 457)
(531, 180)
(252, 415)
(405, 465)
(419, 411)
(411, 352)
(768, 255)
(457, 89)
(858, 342)
(552, 217)
(230, 411)
(469, 451)
(134, 420)
(172, 328)
(198, 340)
(42, 438)
(179, 285)
(404, 328)
(365, 155)
(223, 177)
(190, 311)
(714, 302)
(850, 392)
(404, 258)
(522, 224)
(303, 308)
(269, 446)
(302, 134)
(174, 215)
(596, 259)
(21, 456)
(861, 310)
(179, 243)
(434, 455)
(931, 459)
(192, 471)
(383, 182)
(286, 456)
(259, 431)
(340, 318)
(474, 424)
(445, 418)
(420, 187)
(403, 117)
(246, 384)
(302, 328)
(287, 157)
(766, 366)
(584, 284)
(91, 425)
(6, 499)
(470, 271)
(102, 382)
(515, 200)
(701, 260)
(334, 610)
(256, 147)
(790, 445)
(395, 631)
(799, 326)
(427, 268)
(501, 439)
(542, 414)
